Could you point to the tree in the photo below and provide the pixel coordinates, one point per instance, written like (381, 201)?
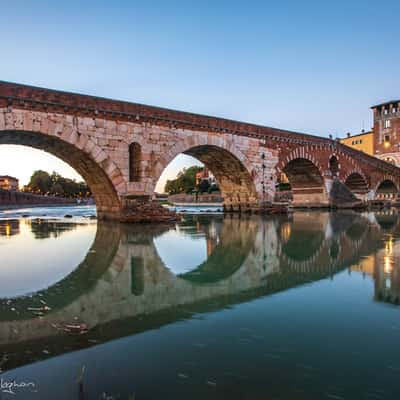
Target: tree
(40, 182)
(55, 184)
(185, 182)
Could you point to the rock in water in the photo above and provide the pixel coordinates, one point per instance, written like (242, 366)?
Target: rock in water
(146, 212)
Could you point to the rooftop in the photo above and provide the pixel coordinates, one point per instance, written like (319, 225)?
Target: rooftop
(8, 177)
(356, 135)
(386, 103)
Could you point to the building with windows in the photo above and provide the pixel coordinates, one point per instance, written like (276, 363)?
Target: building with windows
(387, 131)
(8, 182)
(363, 141)
(383, 141)
(205, 175)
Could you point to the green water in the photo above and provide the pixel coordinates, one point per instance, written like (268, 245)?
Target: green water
(298, 307)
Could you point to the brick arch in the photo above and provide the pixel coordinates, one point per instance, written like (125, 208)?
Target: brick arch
(356, 181)
(230, 166)
(76, 149)
(306, 177)
(355, 171)
(386, 178)
(306, 153)
(390, 158)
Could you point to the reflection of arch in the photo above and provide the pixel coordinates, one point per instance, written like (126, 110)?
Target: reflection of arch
(386, 189)
(135, 158)
(77, 283)
(357, 183)
(229, 165)
(89, 160)
(356, 230)
(156, 307)
(295, 247)
(227, 254)
(334, 252)
(223, 262)
(387, 221)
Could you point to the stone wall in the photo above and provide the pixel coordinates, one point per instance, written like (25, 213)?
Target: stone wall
(191, 198)
(13, 198)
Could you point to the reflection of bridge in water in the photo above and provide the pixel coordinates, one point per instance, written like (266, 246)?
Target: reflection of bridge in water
(124, 282)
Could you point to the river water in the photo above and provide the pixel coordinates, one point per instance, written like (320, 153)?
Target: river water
(304, 306)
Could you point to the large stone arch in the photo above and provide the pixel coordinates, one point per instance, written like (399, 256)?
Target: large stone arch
(235, 173)
(65, 141)
(306, 178)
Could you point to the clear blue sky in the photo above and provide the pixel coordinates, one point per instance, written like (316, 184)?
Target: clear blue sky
(311, 66)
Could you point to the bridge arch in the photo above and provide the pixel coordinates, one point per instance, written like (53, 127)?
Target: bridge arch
(357, 182)
(393, 159)
(386, 189)
(235, 174)
(306, 180)
(78, 150)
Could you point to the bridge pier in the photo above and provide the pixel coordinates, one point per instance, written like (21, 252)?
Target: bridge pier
(108, 213)
(310, 198)
(142, 209)
(239, 203)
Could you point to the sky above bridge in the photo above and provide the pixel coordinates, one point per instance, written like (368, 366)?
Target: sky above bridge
(309, 66)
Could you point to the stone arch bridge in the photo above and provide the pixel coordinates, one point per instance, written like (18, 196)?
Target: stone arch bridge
(122, 148)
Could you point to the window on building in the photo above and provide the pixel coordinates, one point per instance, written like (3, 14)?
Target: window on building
(385, 111)
(360, 141)
(135, 157)
(394, 110)
(387, 138)
(387, 123)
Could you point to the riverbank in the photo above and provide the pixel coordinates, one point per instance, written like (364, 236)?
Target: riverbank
(10, 198)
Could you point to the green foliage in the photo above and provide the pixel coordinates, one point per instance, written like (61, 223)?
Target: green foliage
(42, 182)
(185, 182)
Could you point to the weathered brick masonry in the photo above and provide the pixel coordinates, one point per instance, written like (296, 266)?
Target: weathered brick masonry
(95, 135)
